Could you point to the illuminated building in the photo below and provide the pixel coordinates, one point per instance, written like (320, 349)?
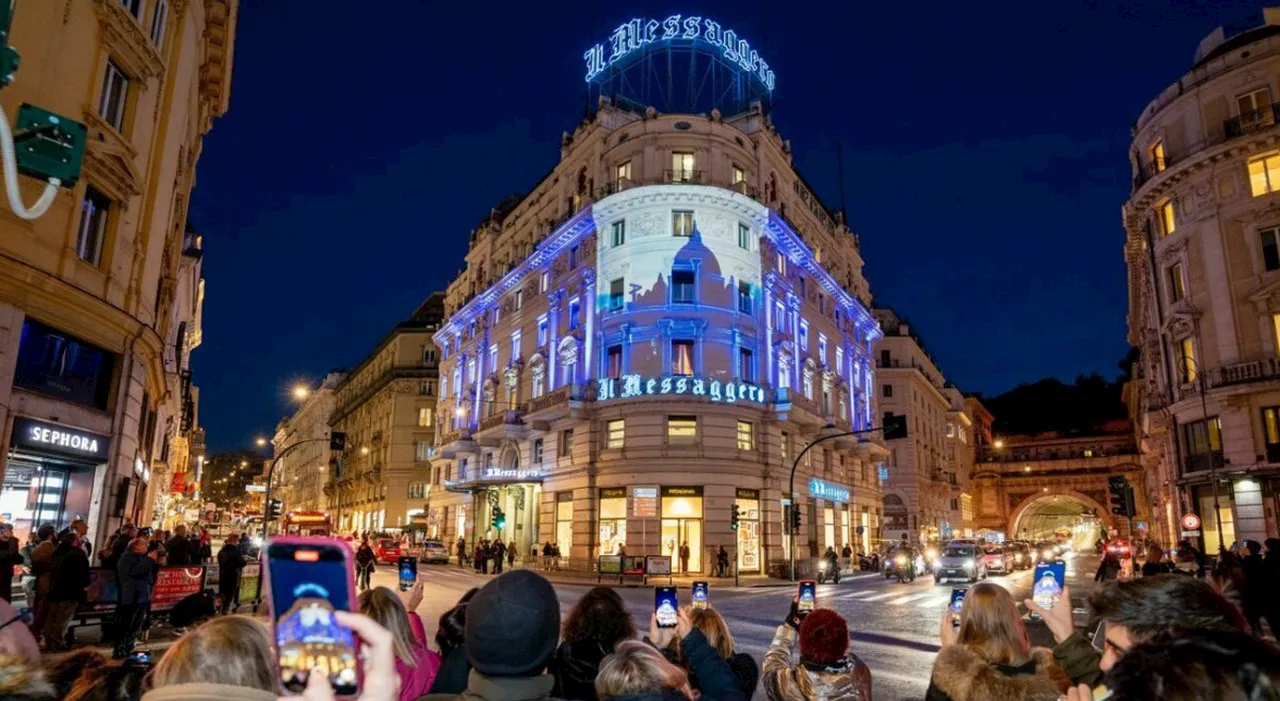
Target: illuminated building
(650, 335)
(1203, 256)
(386, 407)
(100, 297)
(302, 472)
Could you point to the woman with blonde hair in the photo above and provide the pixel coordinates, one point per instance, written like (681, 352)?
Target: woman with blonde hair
(990, 658)
(713, 626)
(638, 671)
(226, 658)
(416, 664)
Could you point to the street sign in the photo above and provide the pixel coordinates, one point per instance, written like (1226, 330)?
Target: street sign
(252, 488)
(1191, 534)
(1190, 522)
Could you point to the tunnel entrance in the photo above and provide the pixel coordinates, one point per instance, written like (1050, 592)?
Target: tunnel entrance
(1060, 517)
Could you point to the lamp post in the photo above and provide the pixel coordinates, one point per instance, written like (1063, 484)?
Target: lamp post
(791, 489)
(266, 502)
(1189, 366)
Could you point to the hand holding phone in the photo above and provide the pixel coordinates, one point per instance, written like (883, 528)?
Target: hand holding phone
(957, 605)
(1047, 584)
(665, 606)
(700, 594)
(807, 597)
(407, 566)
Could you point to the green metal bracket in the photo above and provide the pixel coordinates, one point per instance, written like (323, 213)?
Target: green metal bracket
(48, 145)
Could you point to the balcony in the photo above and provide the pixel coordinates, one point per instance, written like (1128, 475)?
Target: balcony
(555, 404)
(1203, 462)
(501, 425)
(1254, 122)
(1244, 373)
(684, 177)
(454, 442)
(689, 177)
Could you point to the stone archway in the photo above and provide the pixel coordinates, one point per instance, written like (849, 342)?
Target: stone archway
(1055, 501)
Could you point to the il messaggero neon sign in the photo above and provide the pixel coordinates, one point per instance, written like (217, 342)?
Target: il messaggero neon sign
(715, 390)
(639, 33)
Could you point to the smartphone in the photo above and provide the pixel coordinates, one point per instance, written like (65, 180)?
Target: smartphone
(957, 604)
(700, 594)
(1047, 585)
(308, 579)
(808, 597)
(665, 604)
(408, 568)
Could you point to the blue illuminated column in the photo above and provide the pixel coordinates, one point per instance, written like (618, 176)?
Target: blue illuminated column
(734, 359)
(589, 276)
(853, 400)
(794, 303)
(478, 389)
(627, 330)
(553, 323)
(768, 334)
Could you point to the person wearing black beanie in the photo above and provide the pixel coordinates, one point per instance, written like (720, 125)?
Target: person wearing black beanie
(512, 630)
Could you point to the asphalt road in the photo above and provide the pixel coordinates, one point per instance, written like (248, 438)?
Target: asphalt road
(894, 626)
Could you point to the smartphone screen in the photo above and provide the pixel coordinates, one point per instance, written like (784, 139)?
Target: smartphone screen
(700, 594)
(309, 580)
(665, 604)
(808, 596)
(408, 568)
(957, 604)
(1048, 582)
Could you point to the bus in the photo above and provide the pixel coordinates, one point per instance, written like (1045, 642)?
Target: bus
(307, 523)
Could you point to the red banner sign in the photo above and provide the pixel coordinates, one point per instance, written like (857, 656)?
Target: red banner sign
(173, 584)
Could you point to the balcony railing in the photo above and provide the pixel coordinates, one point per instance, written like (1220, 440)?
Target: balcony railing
(1252, 122)
(1202, 462)
(693, 177)
(1242, 373)
(690, 177)
(498, 418)
(558, 396)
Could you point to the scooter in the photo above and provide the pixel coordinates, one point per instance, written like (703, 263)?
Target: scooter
(826, 571)
(864, 563)
(904, 569)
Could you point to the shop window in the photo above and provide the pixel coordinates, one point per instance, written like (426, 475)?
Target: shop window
(682, 429)
(613, 520)
(682, 358)
(615, 433)
(746, 436)
(59, 365)
(564, 522)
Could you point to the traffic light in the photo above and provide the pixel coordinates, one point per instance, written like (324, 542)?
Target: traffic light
(499, 521)
(793, 517)
(337, 439)
(895, 426)
(274, 507)
(9, 58)
(733, 517)
(1121, 496)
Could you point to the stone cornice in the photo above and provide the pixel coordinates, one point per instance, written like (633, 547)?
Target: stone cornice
(129, 45)
(112, 170)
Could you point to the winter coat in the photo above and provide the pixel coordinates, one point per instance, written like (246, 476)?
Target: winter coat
(485, 688)
(1079, 660)
(42, 566)
(135, 575)
(207, 692)
(452, 676)
(960, 674)
(10, 556)
(785, 680)
(717, 679)
(744, 668)
(416, 681)
(230, 562)
(70, 574)
(365, 556)
(180, 552)
(575, 666)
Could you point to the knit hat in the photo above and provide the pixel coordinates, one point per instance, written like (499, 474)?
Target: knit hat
(824, 637)
(513, 625)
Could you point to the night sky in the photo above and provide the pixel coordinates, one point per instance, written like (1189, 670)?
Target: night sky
(985, 154)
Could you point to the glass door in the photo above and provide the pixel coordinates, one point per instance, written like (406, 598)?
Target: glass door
(678, 532)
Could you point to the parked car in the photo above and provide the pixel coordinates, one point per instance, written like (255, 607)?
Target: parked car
(995, 559)
(387, 551)
(435, 551)
(960, 562)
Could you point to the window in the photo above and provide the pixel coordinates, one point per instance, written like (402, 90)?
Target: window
(615, 433)
(839, 360)
(488, 461)
(94, 212)
(519, 300)
(115, 92)
(1167, 222)
(542, 330)
(622, 174)
(804, 335)
(615, 295)
(822, 348)
(158, 22)
(423, 450)
(537, 452)
(682, 223)
(544, 281)
(1088, 452)
(886, 391)
(782, 264)
(807, 378)
(613, 364)
(744, 237)
(1203, 441)
(573, 257)
(682, 286)
(424, 417)
(133, 6)
(574, 309)
(493, 357)
(784, 446)
(1264, 174)
(744, 297)
(619, 233)
(1187, 361)
(681, 167)
(428, 355)
(746, 436)
(739, 175)
(682, 428)
(566, 442)
(417, 490)
(1275, 324)
(779, 315)
(1177, 284)
(1254, 107)
(746, 365)
(682, 358)
(425, 387)
(497, 314)
(1155, 157)
(1271, 432)
(515, 345)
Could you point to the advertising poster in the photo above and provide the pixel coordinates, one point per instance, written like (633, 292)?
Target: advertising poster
(249, 582)
(658, 564)
(610, 564)
(634, 564)
(173, 584)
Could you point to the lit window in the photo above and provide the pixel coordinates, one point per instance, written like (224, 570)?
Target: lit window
(1275, 324)
(544, 281)
(515, 345)
(839, 360)
(746, 436)
(682, 428)
(744, 237)
(616, 432)
(93, 226)
(746, 365)
(519, 301)
(682, 223)
(1270, 239)
(1155, 156)
(1088, 453)
(822, 348)
(622, 174)
(493, 357)
(804, 335)
(784, 446)
(615, 294)
(744, 297)
(614, 362)
(808, 383)
(739, 175)
(784, 378)
(1167, 222)
(682, 282)
(619, 232)
(542, 330)
(782, 264)
(1177, 285)
(682, 167)
(951, 430)
(424, 417)
(115, 92)
(1264, 174)
(682, 358)
(574, 309)
(1187, 361)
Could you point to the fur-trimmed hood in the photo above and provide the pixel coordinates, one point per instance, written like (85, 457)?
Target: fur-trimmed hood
(18, 679)
(963, 675)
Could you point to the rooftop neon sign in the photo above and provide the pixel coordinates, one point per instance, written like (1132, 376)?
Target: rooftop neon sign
(639, 33)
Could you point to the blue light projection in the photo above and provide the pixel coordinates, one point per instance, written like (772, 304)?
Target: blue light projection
(636, 34)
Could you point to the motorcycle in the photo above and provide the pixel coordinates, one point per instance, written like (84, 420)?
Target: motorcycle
(827, 571)
(902, 567)
(865, 564)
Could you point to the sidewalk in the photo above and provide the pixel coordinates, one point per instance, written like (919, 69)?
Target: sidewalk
(680, 581)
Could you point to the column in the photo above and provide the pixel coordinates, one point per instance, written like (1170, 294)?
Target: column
(553, 322)
(768, 336)
(588, 338)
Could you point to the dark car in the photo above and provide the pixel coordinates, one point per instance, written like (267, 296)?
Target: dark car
(1046, 551)
(1019, 556)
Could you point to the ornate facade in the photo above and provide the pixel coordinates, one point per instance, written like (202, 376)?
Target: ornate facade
(302, 472)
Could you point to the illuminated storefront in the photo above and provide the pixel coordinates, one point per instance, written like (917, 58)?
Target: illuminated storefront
(50, 475)
(682, 526)
(564, 522)
(613, 520)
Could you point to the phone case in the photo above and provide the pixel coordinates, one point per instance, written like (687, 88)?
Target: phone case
(348, 559)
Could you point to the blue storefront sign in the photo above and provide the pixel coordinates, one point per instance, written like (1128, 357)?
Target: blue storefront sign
(819, 489)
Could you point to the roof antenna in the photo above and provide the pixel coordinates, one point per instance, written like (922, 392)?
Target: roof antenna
(844, 211)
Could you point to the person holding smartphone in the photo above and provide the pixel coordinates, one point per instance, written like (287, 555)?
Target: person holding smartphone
(826, 668)
(989, 655)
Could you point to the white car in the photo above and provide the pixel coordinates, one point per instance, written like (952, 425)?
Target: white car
(435, 551)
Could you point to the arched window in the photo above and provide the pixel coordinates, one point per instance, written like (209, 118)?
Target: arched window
(808, 380)
(512, 383)
(538, 371)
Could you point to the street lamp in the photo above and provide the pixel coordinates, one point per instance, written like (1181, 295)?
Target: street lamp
(301, 392)
(261, 442)
(1191, 370)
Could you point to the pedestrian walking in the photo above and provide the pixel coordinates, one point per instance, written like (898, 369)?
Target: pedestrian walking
(499, 555)
(722, 562)
(462, 552)
(511, 555)
(230, 564)
(135, 576)
(41, 564)
(684, 556)
(66, 590)
(10, 556)
(1256, 583)
(1108, 569)
(365, 560)
(179, 550)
